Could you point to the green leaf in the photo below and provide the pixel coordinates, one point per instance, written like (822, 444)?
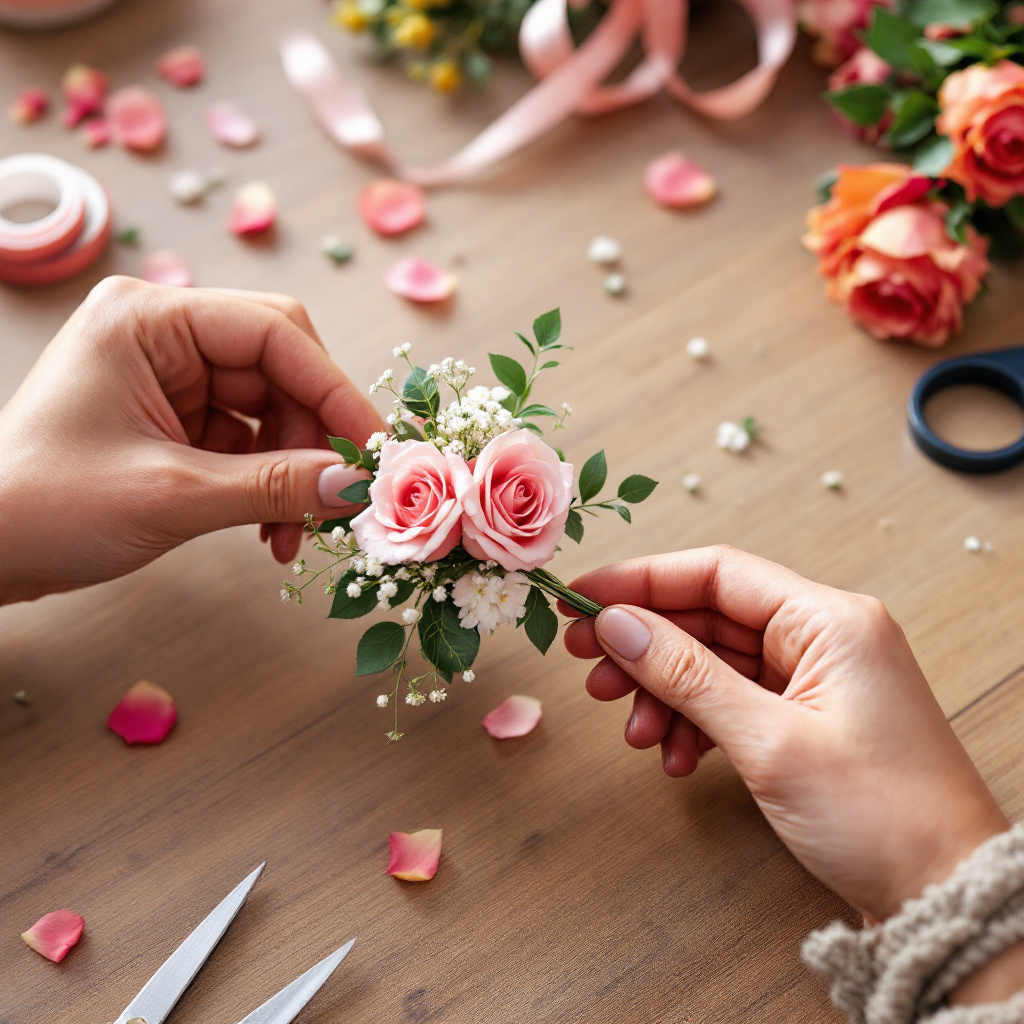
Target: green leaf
(624, 512)
(957, 219)
(961, 13)
(130, 237)
(574, 526)
(478, 67)
(895, 40)
(635, 489)
(825, 183)
(547, 328)
(379, 648)
(1014, 211)
(345, 607)
(540, 621)
(913, 118)
(329, 525)
(533, 428)
(550, 365)
(443, 641)
(861, 104)
(537, 410)
(593, 476)
(419, 393)
(357, 493)
(509, 372)
(526, 341)
(346, 449)
(933, 156)
(406, 431)
(941, 52)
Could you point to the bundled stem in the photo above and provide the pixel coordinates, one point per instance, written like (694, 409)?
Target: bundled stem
(550, 584)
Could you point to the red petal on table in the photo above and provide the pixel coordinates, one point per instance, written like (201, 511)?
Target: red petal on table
(674, 181)
(414, 855)
(84, 89)
(29, 105)
(183, 66)
(391, 207)
(137, 119)
(513, 717)
(254, 209)
(420, 281)
(54, 934)
(231, 126)
(95, 133)
(165, 267)
(146, 714)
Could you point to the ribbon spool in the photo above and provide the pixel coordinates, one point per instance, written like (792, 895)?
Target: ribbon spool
(63, 241)
(48, 13)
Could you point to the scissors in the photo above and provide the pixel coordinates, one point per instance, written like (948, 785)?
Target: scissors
(165, 988)
(1002, 371)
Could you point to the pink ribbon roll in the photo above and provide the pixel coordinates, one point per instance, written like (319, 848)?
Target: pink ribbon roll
(570, 79)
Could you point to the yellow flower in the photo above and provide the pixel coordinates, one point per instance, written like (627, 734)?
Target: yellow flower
(445, 76)
(347, 14)
(426, 5)
(414, 31)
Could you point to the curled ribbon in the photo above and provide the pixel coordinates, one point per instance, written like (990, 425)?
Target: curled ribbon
(570, 79)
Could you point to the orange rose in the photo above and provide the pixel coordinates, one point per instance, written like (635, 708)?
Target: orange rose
(982, 113)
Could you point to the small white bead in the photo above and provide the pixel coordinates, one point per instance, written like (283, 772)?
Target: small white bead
(972, 544)
(832, 479)
(698, 348)
(614, 284)
(604, 250)
(692, 482)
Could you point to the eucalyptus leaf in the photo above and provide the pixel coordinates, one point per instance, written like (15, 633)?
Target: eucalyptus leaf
(443, 641)
(509, 372)
(547, 328)
(637, 488)
(379, 648)
(593, 476)
(346, 449)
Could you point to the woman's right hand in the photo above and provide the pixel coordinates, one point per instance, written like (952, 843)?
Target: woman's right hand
(814, 696)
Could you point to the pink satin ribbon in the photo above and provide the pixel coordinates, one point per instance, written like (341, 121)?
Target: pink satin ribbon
(570, 79)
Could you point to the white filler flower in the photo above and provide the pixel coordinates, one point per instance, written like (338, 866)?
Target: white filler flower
(604, 250)
(732, 437)
(832, 479)
(487, 602)
(698, 348)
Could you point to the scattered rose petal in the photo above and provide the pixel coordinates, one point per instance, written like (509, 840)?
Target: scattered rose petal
(604, 250)
(676, 182)
(698, 348)
(95, 133)
(615, 284)
(165, 267)
(691, 482)
(254, 209)
(414, 855)
(84, 90)
(420, 281)
(183, 66)
(391, 207)
(29, 105)
(513, 717)
(54, 934)
(145, 714)
(335, 249)
(832, 479)
(231, 126)
(187, 187)
(137, 119)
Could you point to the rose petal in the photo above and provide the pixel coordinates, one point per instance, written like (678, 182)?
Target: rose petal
(674, 181)
(84, 89)
(29, 105)
(137, 119)
(420, 281)
(54, 934)
(513, 717)
(254, 209)
(95, 133)
(231, 126)
(183, 66)
(391, 207)
(414, 855)
(165, 267)
(145, 714)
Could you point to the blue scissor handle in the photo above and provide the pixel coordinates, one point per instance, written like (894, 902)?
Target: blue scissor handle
(1003, 371)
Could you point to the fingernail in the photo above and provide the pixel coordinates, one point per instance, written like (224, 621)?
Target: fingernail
(333, 480)
(622, 633)
(631, 725)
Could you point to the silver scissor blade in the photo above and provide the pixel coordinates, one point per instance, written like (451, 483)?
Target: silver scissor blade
(165, 988)
(285, 1006)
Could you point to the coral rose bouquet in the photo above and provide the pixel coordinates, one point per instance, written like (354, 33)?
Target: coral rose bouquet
(466, 502)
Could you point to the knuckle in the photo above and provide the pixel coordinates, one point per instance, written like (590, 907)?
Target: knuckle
(273, 491)
(686, 673)
(116, 288)
(870, 615)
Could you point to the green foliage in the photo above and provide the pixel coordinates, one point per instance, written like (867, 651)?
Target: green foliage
(825, 183)
(897, 40)
(635, 489)
(933, 156)
(328, 525)
(345, 607)
(379, 648)
(537, 410)
(420, 394)
(443, 641)
(510, 373)
(540, 621)
(961, 13)
(593, 476)
(913, 117)
(547, 328)
(957, 219)
(357, 493)
(862, 104)
(624, 512)
(406, 431)
(574, 526)
(346, 449)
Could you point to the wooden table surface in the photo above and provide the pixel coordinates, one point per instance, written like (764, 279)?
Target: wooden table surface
(577, 882)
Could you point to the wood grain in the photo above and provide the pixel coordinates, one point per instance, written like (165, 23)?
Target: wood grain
(577, 883)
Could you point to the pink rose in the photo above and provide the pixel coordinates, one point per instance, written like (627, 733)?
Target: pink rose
(515, 501)
(836, 24)
(414, 514)
(865, 67)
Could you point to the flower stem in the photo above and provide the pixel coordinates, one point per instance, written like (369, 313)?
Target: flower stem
(550, 584)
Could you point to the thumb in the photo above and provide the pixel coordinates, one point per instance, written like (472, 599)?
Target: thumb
(267, 487)
(685, 675)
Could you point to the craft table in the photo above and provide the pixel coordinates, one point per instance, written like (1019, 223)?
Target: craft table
(577, 882)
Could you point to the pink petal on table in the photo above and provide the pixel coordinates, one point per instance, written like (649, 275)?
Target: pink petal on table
(29, 105)
(137, 119)
(254, 209)
(231, 126)
(674, 181)
(84, 89)
(54, 934)
(95, 133)
(183, 66)
(145, 714)
(513, 717)
(414, 855)
(391, 207)
(420, 281)
(165, 267)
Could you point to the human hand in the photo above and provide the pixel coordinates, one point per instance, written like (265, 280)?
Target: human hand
(159, 414)
(814, 696)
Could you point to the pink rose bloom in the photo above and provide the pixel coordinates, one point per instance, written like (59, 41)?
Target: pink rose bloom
(835, 23)
(515, 501)
(414, 514)
(865, 67)
(905, 278)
